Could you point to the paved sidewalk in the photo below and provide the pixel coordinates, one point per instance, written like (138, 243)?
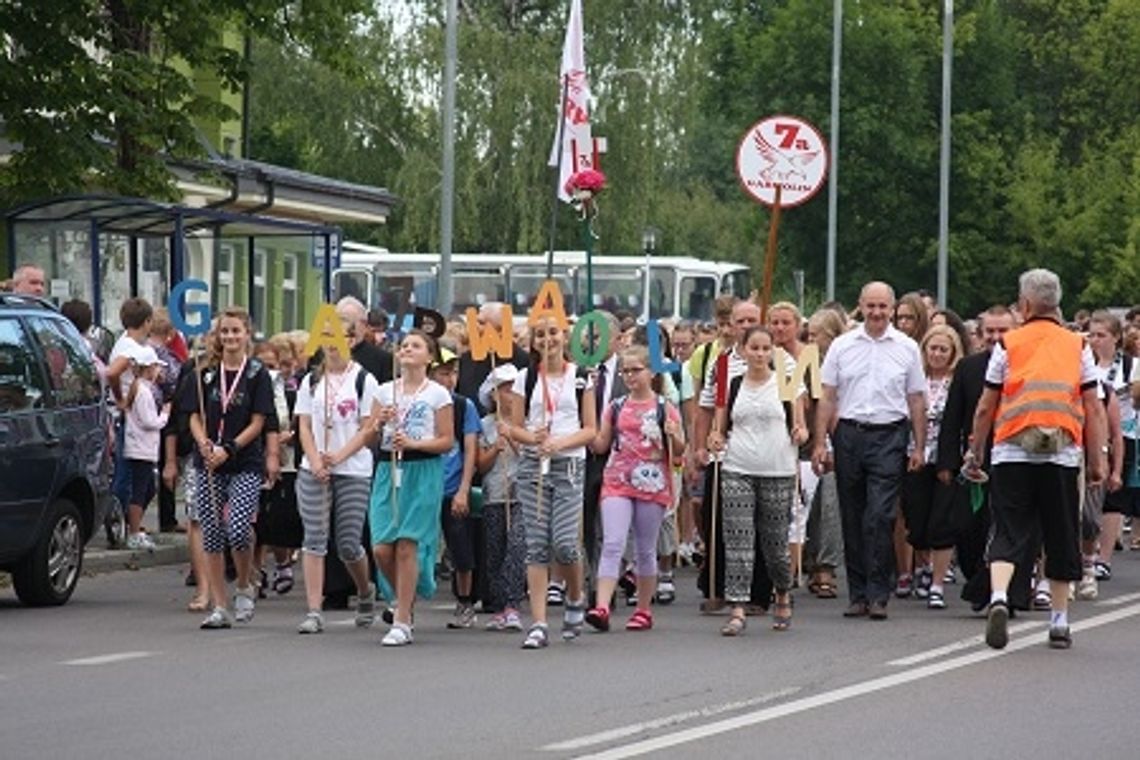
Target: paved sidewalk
(171, 549)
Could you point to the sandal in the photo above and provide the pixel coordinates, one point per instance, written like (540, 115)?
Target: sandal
(782, 616)
(825, 590)
(814, 585)
(1042, 600)
(283, 578)
(642, 620)
(734, 627)
(599, 618)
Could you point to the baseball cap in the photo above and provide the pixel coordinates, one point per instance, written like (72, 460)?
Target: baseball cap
(446, 356)
(146, 356)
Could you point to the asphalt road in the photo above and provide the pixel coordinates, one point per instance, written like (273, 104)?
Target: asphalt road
(123, 670)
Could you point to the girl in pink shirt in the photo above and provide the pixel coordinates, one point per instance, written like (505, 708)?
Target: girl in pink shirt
(637, 486)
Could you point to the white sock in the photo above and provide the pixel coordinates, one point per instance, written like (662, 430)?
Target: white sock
(999, 596)
(1059, 619)
(936, 588)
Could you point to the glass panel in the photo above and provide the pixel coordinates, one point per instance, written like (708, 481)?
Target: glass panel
(289, 292)
(697, 296)
(527, 280)
(475, 287)
(738, 283)
(64, 253)
(115, 261)
(223, 276)
(661, 290)
(397, 283)
(260, 303)
(153, 269)
(351, 282)
(616, 289)
(21, 383)
(68, 360)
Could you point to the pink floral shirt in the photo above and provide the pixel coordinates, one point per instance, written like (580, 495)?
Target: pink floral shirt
(637, 467)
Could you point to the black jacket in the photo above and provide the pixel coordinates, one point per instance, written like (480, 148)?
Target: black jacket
(961, 403)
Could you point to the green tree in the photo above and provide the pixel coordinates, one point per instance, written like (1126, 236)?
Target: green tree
(97, 93)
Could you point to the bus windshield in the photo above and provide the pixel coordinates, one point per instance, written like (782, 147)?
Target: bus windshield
(475, 286)
(402, 282)
(697, 296)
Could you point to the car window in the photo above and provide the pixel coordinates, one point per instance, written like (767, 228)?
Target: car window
(21, 382)
(68, 361)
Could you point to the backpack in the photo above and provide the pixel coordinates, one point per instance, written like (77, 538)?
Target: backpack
(615, 411)
(581, 374)
(734, 390)
(459, 403)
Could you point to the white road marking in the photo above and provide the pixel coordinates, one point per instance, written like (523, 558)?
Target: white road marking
(670, 720)
(847, 692)
(108, 659)
(972, 641)
(1118, 600)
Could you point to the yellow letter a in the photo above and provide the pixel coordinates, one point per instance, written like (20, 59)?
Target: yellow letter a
(808, 362)
(327, 330)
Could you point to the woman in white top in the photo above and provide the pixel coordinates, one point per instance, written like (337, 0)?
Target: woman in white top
(336, 404)
(759, 480)
(553, 417)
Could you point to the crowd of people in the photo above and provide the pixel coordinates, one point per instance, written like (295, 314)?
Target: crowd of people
(920, 450)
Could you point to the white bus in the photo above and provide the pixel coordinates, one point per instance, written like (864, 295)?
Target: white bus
(679, 287)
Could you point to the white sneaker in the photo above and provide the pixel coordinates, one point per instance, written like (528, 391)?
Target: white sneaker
(219, 617)
(1087, 589)
(140, 542)
(314, 622)
(398, 635)
(244, 602)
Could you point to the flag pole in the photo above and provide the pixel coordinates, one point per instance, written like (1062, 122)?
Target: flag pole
(557, 176)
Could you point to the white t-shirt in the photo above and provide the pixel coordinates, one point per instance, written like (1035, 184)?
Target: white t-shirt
(562, 419)
(415, 409)
(347, 413)
(1113, 374)
(128, 347)
(1005, 452)
(758, 443)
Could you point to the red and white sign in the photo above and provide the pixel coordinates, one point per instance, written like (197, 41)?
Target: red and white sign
(578, 148)
(783, 151)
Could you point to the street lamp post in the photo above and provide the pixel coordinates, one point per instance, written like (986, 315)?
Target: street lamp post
(649, 245)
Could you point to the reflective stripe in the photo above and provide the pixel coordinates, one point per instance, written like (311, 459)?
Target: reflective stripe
(1010, 413)
(1039, 386)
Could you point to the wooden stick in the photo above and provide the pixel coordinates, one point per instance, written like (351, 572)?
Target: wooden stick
(212, 494)
(327, 513)
(770, 258)
(395, 465)
(542, 426)
(712, 525)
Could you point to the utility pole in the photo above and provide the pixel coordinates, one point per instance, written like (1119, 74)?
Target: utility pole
(833, 170)
(944, 158)
(447, 202)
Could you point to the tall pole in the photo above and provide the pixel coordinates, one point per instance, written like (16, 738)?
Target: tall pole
(944, 159)
(447, 202)
(833, 170)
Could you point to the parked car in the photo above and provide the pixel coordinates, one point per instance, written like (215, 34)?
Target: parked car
(55, 450)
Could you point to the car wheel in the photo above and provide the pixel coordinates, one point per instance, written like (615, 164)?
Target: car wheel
(48, 575)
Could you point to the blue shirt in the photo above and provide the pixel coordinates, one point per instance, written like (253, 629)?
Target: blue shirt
(453, 459)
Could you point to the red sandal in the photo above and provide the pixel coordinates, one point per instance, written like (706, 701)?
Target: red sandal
(599, 618)
(642, 620)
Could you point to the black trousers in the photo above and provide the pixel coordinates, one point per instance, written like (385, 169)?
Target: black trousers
(869, 467)
(761, 592)
(1035, 504)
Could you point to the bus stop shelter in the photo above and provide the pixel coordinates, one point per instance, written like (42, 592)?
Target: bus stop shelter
(104, 249)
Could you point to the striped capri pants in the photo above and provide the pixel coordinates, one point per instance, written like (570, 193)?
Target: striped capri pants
(347, 496)
(553, 518)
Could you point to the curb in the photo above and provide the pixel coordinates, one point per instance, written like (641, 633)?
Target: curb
(100, 560)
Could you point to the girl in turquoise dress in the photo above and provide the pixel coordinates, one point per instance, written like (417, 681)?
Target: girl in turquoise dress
(416, 416)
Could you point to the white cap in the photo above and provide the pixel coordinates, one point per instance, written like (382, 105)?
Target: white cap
(504, 373)
(146, 356)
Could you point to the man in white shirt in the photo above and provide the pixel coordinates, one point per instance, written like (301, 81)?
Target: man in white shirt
(872, 383)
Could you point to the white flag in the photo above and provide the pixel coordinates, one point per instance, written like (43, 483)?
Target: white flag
(574, 128)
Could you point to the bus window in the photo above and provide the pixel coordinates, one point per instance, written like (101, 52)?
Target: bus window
(475, 287)
(661, 290)
(616, 288)
(397, 283)
(353, 282)
(527, 280)
(737, 283)
(697, 296)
